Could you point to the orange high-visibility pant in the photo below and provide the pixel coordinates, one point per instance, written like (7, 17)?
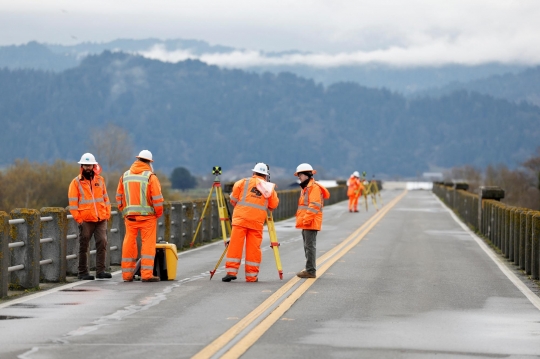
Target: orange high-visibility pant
(353, 203)
(253, 239)
(148, 230)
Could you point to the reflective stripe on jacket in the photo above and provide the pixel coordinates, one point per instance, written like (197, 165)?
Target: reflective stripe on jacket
(88, 199)
(250, 205)
(310, 206)
(139, 192)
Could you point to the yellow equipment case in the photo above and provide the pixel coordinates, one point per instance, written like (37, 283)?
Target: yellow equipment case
(165, 261)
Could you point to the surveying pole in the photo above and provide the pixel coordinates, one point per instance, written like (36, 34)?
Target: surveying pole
(274, 244)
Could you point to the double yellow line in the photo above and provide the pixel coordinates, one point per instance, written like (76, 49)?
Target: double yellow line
(324, 263)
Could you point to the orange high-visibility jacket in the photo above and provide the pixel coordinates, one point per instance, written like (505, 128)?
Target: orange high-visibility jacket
(88, 199)
(250, 205)
(310, 205)
(355, 187)
(139, 193)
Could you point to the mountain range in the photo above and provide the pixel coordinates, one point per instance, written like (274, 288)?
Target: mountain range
(409, 81)
(195, 115)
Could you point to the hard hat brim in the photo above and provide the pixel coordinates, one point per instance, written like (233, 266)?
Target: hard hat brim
(312, 171)
(144, 158)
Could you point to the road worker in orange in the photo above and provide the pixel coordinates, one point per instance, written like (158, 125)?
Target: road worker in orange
(90, 207)
(354, 191)
(139, 198)
(251, 198)
(309, 215)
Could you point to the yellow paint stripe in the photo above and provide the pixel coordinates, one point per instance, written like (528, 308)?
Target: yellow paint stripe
(246, 342)
(235, 330)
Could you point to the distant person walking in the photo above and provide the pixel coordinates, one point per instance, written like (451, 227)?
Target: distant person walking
(251, 198)
(354, 191)
(90, 207)
(309, 215)
(139, 198)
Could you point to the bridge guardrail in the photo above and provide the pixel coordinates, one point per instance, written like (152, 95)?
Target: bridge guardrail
(43, 245)
(514, 231)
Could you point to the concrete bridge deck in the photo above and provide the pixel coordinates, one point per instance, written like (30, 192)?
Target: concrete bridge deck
(408, 281)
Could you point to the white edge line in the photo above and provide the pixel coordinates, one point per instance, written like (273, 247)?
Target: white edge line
(26, 298)
(71, 285)
(533, 298)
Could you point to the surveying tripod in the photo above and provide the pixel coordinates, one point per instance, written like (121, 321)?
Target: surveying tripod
(223, 210)
(371, 190)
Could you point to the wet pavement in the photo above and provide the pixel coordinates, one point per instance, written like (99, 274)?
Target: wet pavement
(417, 285)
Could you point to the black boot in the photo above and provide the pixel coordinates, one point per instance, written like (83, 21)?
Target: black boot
(228, 278)
(85, 277)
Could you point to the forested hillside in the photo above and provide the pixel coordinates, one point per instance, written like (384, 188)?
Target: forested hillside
(523, 86)
(194, 115)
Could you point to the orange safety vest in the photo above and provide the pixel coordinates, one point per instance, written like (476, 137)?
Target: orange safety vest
(88, 199)
(250, 204)
(355, 187)
(310, 205)
(138, 193)
(135, 189)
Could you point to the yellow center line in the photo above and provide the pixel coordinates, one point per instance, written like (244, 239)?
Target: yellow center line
(247, 341)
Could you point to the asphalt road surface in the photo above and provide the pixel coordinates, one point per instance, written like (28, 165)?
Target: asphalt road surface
(407, 281)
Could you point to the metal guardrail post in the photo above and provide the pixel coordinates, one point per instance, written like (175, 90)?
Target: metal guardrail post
(190, 223)
(215, 227)
(72, 247)
(528, 241)
(522, 234)
(176, 224)
(54, 229)
(511, 238)
(27, 255)
(4, 254)
(535, 246)
(515, 229)
(485, 193)
(506, 225)
(207, 222)
(163, 229)
(115, 236)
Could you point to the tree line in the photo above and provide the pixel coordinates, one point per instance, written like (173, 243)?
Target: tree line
(26, 184)
(521, 185)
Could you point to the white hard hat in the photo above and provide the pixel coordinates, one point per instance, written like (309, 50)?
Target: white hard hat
(145, 154)
(261, 168)
(356, 174)
(88, 159)
(304, 167)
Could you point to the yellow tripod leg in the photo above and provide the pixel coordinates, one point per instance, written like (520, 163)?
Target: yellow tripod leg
(225, 224)
(365, 200)
(202, 217)
(274, 244)
(223, 214)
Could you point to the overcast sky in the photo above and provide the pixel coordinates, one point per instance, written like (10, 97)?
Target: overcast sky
(334, 32)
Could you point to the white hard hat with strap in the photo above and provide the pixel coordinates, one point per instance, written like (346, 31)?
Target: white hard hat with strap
(261, 168)
(88, 159)
(304, 167)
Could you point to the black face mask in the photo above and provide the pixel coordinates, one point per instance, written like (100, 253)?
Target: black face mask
(305, 183)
